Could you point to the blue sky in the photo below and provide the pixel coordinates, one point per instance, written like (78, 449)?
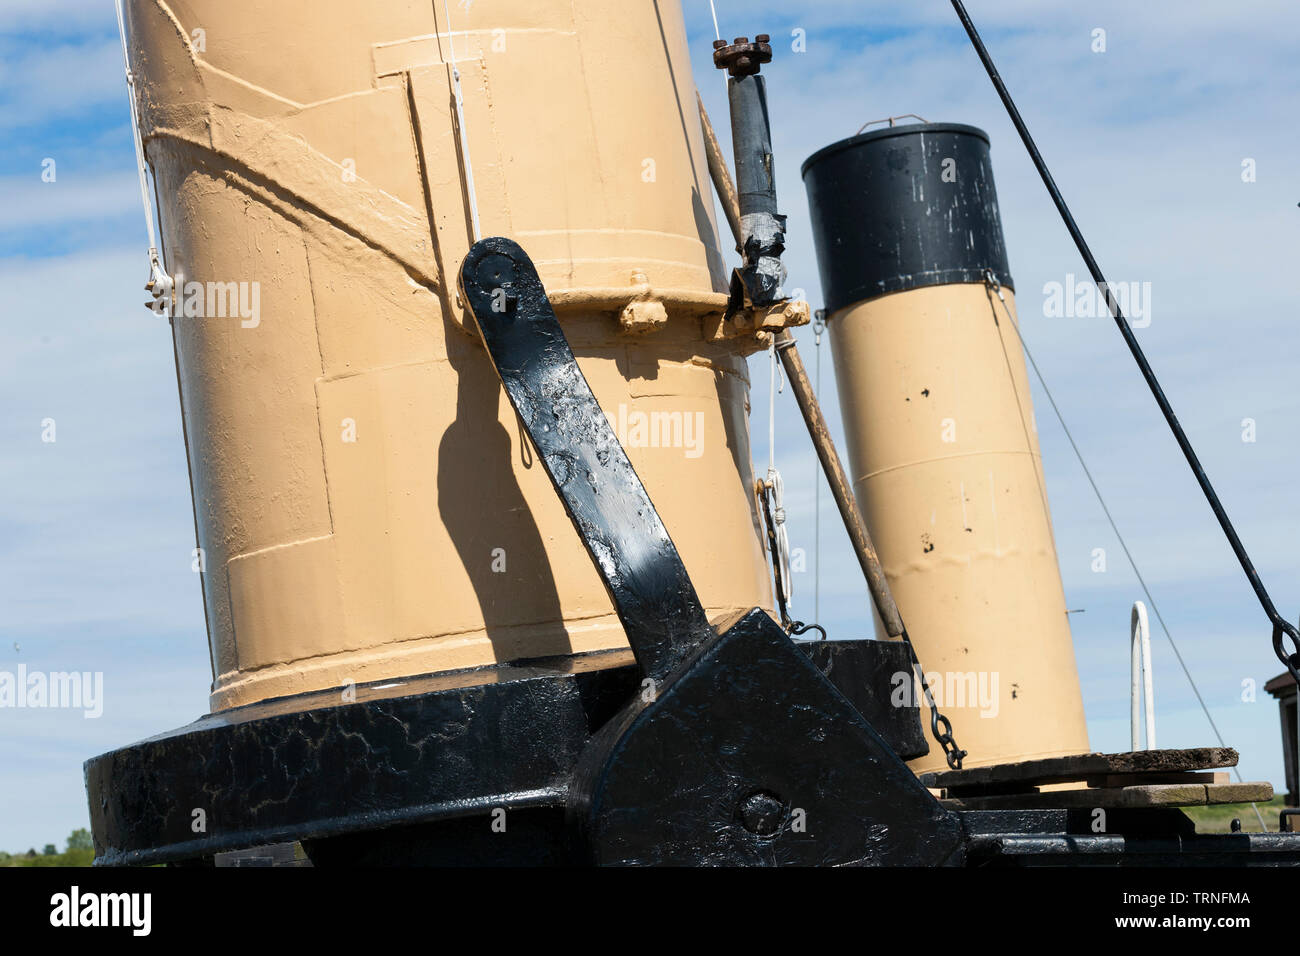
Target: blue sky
(1146, 140)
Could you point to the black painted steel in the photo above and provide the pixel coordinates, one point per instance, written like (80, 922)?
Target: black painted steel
(1281, 627)
(317, 765)
(410, 774)
(1108, 849)
(749, 756)
(1132, 822)
(870, 674)
(904, 207)
(1146, 836)
(762, 225)
(426, 757)
(627, 541)
(752, 141)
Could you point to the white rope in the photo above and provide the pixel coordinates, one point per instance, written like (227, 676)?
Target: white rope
(771, 406)
(782, 537)
(775, 483)
(718, 34)
(135, 128)
(160, 283)
(464, 135)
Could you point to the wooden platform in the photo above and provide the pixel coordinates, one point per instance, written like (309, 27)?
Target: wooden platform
(1145, 795)
(1143, 778)
(1083, 766)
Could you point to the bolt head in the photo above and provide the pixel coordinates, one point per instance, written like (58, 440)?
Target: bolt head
(762, 813)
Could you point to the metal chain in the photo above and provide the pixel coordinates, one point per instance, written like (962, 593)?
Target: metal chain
(952, 753)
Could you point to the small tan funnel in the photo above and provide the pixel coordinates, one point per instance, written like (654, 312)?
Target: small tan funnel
(941, 437)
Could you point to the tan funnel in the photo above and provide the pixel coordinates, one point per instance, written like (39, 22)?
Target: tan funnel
(365, 503)
(941, 436)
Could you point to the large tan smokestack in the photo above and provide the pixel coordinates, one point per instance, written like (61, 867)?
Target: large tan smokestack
(941, 437)
(366, 505)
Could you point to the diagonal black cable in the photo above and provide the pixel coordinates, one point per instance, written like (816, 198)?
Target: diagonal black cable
(1281, 627)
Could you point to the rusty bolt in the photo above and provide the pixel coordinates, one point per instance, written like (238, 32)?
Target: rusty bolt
(742, 58)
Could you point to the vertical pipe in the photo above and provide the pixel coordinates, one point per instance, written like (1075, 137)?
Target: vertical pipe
(751, 138)
(762, 228)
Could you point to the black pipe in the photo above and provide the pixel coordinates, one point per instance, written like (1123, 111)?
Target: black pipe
(762, 226)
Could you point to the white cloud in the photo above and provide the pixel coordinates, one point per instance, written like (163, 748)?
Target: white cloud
(57, 16)
(28, 202)
(45, 82)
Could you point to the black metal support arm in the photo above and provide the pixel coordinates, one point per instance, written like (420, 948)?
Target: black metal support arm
(627, 541)
(1281, 627)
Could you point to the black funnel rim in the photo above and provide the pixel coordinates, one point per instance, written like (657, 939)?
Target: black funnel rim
(887, 132)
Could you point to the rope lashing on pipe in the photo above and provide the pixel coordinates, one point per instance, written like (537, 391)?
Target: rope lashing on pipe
(775, 487)
(160, 284)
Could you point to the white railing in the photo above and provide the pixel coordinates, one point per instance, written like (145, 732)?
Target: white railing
(1140, 645)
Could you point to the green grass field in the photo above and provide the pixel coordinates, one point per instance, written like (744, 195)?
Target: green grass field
(1218, 819)
(67, 858)
(77, 852)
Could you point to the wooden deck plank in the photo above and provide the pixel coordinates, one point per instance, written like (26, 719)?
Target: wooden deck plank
(1079, 767)
(1144, 779)
(1157, 795)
